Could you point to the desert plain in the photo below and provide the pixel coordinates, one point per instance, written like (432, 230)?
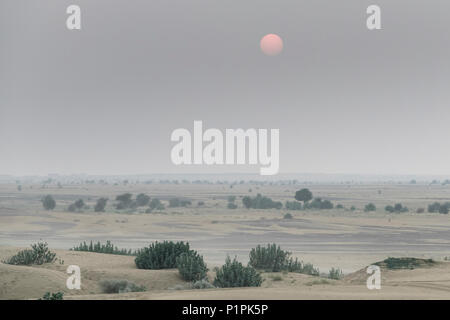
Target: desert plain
(350, 240)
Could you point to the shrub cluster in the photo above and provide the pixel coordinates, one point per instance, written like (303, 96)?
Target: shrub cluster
(335, 273)
(176, 202)
(100, 205)
(53, 296)
(273, 259)
(77, 206)
(370, 207)
(191, 266)
(234, 274)
(293, 205)
(160, 255)
(398, 207)
(318, 203)
(48, 202)
(438, 207)
(38, 254)
(120, 286)
(99, 247)
(261, 202)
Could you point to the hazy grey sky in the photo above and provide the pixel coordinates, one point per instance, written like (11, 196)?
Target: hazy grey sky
(106, 99)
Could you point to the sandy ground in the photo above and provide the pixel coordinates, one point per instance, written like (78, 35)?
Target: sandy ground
(23, 282)
(350, 240)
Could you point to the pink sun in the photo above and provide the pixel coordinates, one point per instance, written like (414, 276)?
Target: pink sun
(271, 44)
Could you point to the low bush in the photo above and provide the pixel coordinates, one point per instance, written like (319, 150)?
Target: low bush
(293, 205)
(202, 284)
(260, 202)
(370, 207)
(53, 296)
(48, 202)
(273, 259)
(99, 247)
(120, 286)
(191, 266)
(160, 255)
(397, 208)
(438, 207)
(288, 216)
(335, 273)
(405, 263)
(100, 205)
(38, 254)
(234, 274)
(318, 203)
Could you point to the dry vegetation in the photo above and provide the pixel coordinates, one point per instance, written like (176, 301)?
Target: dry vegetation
(342, 237)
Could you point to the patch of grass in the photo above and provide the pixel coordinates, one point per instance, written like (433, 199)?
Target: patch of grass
(276, 278)
(405, 263)
(120, 286)
(318, 282)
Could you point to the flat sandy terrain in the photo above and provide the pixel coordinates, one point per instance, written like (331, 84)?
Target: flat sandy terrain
(350, 240)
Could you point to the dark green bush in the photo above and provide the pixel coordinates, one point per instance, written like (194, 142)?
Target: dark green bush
(370, 207)
(142, 200)
(318, 203)
(270, 258)
(191, 266)
(120, 286)
(38, 254)
(160, 255)
(231, 205)
(293, 205)
(48, 202)
(53, 296)
(100, 205)
(405, 263)
(261, 202)
(175, 203)
(273, 259)
(288, 216)
(335, 273)
(234, 274)
(98, 247)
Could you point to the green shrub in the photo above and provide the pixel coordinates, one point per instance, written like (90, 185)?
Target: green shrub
(202, 284)
(142, 200)
(98, 247)
(160, 255)
(191, 266)
(273, 259)
(260, 202)
(38, 254)
(120, 286)
(48, 202)
(335, 273)
(100, 205)
(293, 205)
(234, 274)
(288, 216)
(53, 296)
(370, 207)
(269, 259)
(405, 263)
(175, 203)
(318, 203)
(231, 205)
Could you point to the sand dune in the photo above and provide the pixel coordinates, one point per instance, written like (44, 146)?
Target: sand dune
(31, 282)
